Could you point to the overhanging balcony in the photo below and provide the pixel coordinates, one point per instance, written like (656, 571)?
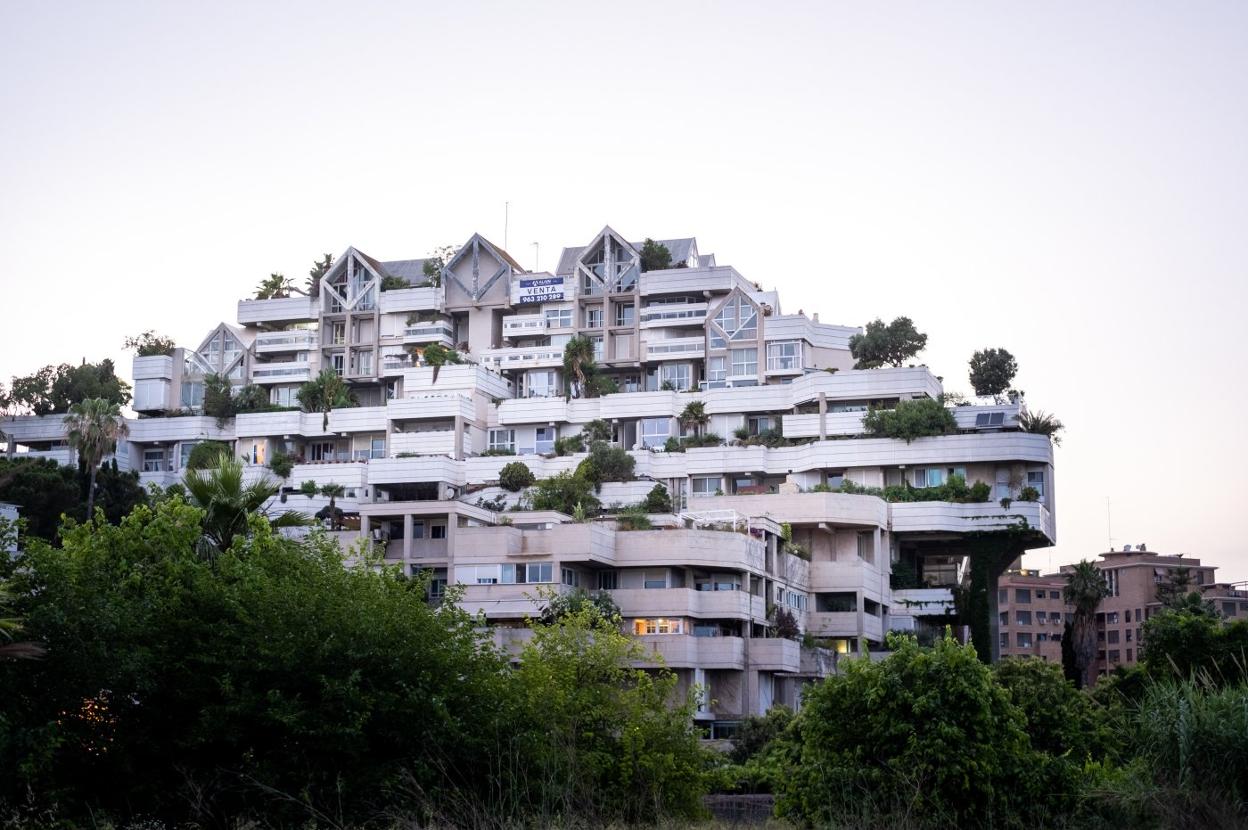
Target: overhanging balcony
(438, 331)
(682, 314)
(268, 342)
(527, 357)
(281, 310)
(292, 372)
(524, 325)
(676, 348)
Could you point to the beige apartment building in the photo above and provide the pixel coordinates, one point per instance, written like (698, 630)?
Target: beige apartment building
(1032, 611)
(758, 524)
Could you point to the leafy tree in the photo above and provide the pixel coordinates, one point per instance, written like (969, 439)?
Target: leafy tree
(926, 732)
(909, 420)
(1189, 637)
(251, 398)
(43, 490)
(52, 389)
(564, 493)
(599, 384)
(596, 430)
(992, 371)
(92, 429)
(1041, 423)
(515, 476)
(574, 602)
(578, 364)
(607, 741)
(1174, 589)
(606, 463)
(658, 500)
(1085, 588)
(325, 393)
(319, 269)
(228, 504)
(568, 444)
(309, 488)
(282, 465)
(633, 518)
(758, 732)
(392, 283)
(117, 492)
(11, 626)
(433, 265)
(274, 287)
(218, 397)
(886, 345)
(207, 454)
(150, 344)
(1061, 720)
(655, 256)
(437, 356)
(694, 416)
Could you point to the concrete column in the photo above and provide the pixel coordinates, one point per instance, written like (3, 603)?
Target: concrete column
(366, 527)
(407, 538)
(458, 455)
(452, 526)
(823, 415)
(876, 545)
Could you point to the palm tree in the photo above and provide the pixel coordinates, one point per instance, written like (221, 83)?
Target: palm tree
(323, 394)
(334, 491)
(319, 269)
(578, 362)
(1085, 587)
(228, 503)
(93, 428)
(437, 356)
(1041, 423)
(694, 415)
(274, 287)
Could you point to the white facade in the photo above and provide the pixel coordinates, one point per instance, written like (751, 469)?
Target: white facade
(422, 450)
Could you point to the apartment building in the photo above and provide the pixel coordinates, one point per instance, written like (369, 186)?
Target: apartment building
(1032, 612)
(756, 524)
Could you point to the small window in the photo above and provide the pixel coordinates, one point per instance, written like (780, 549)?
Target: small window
(437, 531)
(569, 577)
(1024, 617)
(1036, 479)
(593, 317)
(545, 443)
(503, 439)
(705, 485)
(1024, 639)
(608, 580)
(1055, 594)
(1022, 596)
(655, 579)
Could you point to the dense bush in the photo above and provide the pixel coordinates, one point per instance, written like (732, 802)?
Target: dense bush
(569, 444)
(606, 462)
(565, 492)
(515, 476)
(281, 464)
(910, 420)
(1191, 638)
(207, 454)
(658, 500)
(954, 490)
(44, 490)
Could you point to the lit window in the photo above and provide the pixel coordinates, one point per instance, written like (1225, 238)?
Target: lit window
(643, 628)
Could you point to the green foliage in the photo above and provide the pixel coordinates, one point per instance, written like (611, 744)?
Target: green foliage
(658, 500)
(433, 265)
(564, 492)
(496, 451)
(515, 476)
(437, 356)
(52, 389)
(633, 518)
(607, 741)
(599, 603)
(886, 345)
(953, 490)
(282, 465)
(758, 733)
(655, 256)
(694, 415)
(569, 444)
(599, 384)
(1190, 638)
(42, 490)
(992, 371)
(274, 287)
(392, 283)
(252, 398)
(1061, 720)
(207, 454)
(92, 429)
(910, 420)
(578, 364)
(708, 439)
(150, 344)
(596, 430)
(1085, 588)
(1029, 494)
(1041, 423)
(309, 488)
(317, 273)
(606, 462)
(324, 393)
(784, 623)
(925, 730)
(218, 397)
(229, 505)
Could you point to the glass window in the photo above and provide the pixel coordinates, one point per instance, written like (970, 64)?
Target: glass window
(744, 362)
(559, 318)
(1036, 479)
(655, 431)
(154, 461)
(705, 485)
(678, 375)
(716, 371)
(654, 579)
(192, 394)
(738, 319)
(184, 450)
(784, 357)
(608, 580)
(1022, 595)
(1024, 639)
(377, 448)
(624, 314)
(569, 577)
(437, 531)
(503, 439)
(593, 317)
(643, 628)
(545, 442)
(1024, 617)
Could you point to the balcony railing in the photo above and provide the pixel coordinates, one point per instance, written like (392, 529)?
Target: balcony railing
(685, 314)
(285, 341)
(524, 325)
(439, 331)
(676, 347)
(527, 357)
(280, 372)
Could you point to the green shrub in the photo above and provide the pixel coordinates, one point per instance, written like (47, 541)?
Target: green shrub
(515, 476)
(910, 420)
(596, 430)
(310, 488)
(564, 493)
(1029, 494)
(207, 454)
(281, 464)
(658, 500)
(1061, 720)
(494, 452)
(569, 445)
(606, 463)
(633, 518)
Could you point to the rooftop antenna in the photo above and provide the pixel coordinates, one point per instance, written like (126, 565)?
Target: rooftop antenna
(537, 257)
(506, 222)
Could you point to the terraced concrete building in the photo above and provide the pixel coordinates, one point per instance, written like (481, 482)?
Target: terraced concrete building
(761, 521)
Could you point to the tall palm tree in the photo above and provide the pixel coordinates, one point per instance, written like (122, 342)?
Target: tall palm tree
(228, 503)
(334, 491)
(323, 394)
(93, 428)
(694, 415)
(274, 287)
(578, 362)
(1085, 588)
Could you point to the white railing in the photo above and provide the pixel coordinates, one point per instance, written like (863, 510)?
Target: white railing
(278, 341)
(673, 314)
(281, 371)
(521, 325)
(439, 330)
(524, 357)
(677, 347)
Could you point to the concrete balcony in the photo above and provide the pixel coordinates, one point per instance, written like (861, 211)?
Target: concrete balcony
(161, 478)
(184, 428)
(845, 624)
(156, 367)
(422, 469)
(527, 357)
(718, 278)
(949, 517)
(573, 543)
(508, 601)
(524, 325)
(687, 602)
(801, 508)
(775, 654)
(291, 423)
(350, 474)
(835, 423)
(426, 442)
(440, 331)
(660, 404)
(486, 544)
(268, 342)
(676, 348)
(685, 651)
(682, 314)
(411, 299)
(283, 310)
(62, 455)
(909, 603)
(293, 372)
(711, 549)
(460, 377)
(532, 411)
(359, 419)
(430, 406)
(999, 416)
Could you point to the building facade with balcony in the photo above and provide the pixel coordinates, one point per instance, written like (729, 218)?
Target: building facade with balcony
(787, 511)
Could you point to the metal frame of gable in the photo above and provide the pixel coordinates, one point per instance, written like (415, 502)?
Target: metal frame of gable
(473, 246)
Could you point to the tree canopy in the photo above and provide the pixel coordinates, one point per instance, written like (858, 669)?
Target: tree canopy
(655, 256)
(886, 345)
(992, 371)
(52, 389)
(909, 420)
(150, 344)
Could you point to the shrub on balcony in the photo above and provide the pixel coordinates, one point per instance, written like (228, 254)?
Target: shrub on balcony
(633, 518)
(910, 420)
(207, 454)
(886, 345)
(655, 256)
(569, 444)
(1029, 494)
(150, 344)
(281, 464)
(784, 624)
(1041, 423)
(606, 463)
(515, 477)
(741, 433)
(798, 550)
(954, 490)
(565, 492)
(490, 452)
(309, 488)
(658, 500)
(681, 444)
(393, 283)
(596, 430)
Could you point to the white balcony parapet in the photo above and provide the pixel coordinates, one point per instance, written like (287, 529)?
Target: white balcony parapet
(718, 278)
(290, 372)
(155, 367)
(425, 298)
(676, 348)
(285, 341)
(281, 310)
(438, 331)
(524, 325)
(673, 314)
(526, 357)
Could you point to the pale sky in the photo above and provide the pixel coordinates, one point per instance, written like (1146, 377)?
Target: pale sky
(1065, 180)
